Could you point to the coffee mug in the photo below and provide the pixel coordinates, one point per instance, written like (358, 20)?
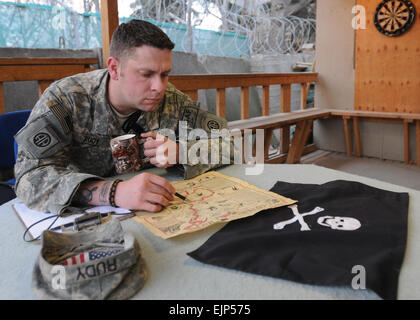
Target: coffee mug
(126, 153)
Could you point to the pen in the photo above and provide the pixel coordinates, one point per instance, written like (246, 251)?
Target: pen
(180, 196)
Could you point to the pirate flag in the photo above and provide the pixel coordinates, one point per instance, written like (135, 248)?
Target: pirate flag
(334, 229)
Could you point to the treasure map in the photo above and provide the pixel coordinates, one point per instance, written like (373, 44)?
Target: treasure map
(210, 198)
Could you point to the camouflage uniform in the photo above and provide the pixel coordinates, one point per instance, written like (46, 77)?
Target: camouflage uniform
(66, 139)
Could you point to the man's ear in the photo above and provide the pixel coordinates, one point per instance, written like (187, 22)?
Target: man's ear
(113, 68)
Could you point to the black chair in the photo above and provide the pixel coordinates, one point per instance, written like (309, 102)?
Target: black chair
(10, 124)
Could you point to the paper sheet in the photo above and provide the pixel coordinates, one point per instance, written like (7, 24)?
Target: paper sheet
(29, 217)
(211, 198)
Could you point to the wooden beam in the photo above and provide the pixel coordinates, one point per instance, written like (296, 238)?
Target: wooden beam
(42, 85)
(285, 103)
(305, 135)
(357, 137)
(268, 133)
(221, 102)
(60, 61)
(375, 114)
(265, 100)
(245, 103)
(109, 22)
(349, 146)
(38, 72)
(279, 120)
(213, 81)
(298, 142)
(285, 98)
(406, 142)
(304, 89)
(373, 120)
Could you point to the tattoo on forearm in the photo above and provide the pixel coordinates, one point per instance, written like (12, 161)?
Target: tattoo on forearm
(84, 195)
(103, 195)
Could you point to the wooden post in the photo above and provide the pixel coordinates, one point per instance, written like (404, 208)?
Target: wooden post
(406, 142)
(244, 102)
(303, 128)
(349, 146)
(305, 135)
(285, 102)
(221, 102)
(42, 85)
(268, 133)
(357, 137)
(304, 88)
(109, 22)
(265, 100)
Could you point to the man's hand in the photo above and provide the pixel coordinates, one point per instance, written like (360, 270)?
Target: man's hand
(144, 191)
(161, 151)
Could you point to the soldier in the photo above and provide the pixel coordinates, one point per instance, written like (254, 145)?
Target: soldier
(64, 149)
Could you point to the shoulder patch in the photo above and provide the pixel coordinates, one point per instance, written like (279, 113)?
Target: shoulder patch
(42, 137)
(189, 115)
(62, 115)
(209, 121)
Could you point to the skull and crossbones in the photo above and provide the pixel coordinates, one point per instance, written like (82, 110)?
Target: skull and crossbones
(336, 223)
(298, 217)
(339, 223)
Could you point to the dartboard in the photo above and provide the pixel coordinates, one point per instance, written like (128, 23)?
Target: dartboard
(394, 17)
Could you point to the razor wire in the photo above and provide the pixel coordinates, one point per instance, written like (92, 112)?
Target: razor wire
(243, 30)
(239, 28)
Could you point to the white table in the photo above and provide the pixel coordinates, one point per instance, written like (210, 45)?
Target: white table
(174, 275)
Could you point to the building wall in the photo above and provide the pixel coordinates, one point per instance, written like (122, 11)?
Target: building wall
(334, 63)
(335, 54)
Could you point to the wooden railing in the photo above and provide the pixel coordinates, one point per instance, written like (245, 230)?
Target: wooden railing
(190, 84)
(43, 70)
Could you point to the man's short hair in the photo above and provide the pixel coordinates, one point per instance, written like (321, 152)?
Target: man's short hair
(137, 33)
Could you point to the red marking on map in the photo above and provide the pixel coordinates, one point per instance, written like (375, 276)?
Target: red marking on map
(198, 194)
(224, 216)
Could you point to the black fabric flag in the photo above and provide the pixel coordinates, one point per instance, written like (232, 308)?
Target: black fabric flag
(340, 233)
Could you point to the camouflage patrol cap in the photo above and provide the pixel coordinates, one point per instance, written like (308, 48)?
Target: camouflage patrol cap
(98, 263)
